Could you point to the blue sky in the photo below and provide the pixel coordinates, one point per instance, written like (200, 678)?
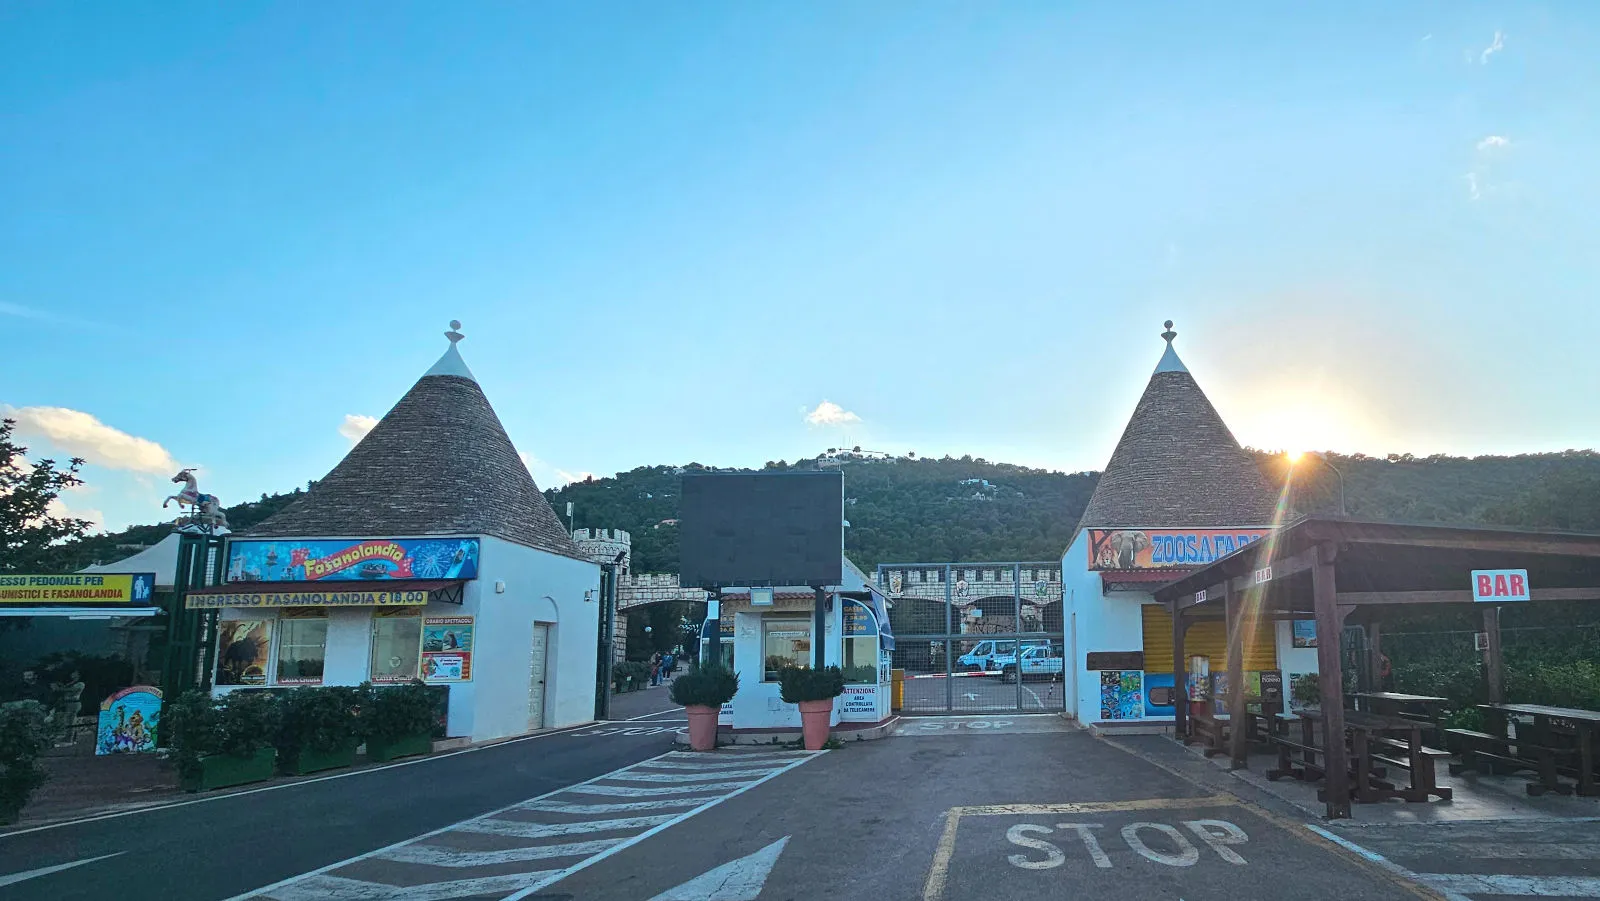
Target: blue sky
(673, 230)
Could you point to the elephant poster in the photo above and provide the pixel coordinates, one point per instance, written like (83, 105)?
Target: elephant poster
(1114, 549)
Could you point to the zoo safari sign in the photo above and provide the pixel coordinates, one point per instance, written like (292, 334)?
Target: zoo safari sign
(1160, 548)
(373, 559)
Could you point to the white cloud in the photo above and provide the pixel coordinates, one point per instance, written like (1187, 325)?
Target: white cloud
(96, 518)
(356, 426)
(570, 477)
(1473, 189)
(82, 435)
(829, 413)
(1493, 142)
(1495, 46)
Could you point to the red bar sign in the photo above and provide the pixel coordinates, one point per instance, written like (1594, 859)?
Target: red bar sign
(1500, 586)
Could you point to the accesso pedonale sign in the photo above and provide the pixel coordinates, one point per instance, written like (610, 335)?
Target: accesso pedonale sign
(77, 589)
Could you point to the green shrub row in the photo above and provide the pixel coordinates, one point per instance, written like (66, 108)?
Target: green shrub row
(320, 719)
(22, 738)
(630, 675)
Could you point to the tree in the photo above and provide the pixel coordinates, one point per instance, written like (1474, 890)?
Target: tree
(31, 535)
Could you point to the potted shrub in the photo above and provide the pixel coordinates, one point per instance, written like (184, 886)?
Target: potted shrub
(319, 729)
(1306, 690)
(702, 692)
(22, 737)
(814, 690)
(398, 721)
(223, 743)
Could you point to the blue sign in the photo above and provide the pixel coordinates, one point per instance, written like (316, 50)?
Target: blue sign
(858, 620)
(352, 560)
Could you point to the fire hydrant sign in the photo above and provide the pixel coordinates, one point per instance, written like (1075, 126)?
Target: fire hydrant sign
(1500, 586)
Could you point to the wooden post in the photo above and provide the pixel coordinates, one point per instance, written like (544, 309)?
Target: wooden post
(1493, 665)
(1375, 654)
(1330, 679)
(1233, 619)
(1180, 679)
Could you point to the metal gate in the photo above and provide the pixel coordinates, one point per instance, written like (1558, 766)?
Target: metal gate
(978, 637)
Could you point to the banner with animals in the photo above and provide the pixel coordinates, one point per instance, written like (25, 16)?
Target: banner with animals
(293, 560)
(128, 721)
(1159, 548)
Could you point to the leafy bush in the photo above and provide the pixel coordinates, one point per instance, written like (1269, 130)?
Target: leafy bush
(1463, 718)
(247, 721)
(319, 719)
(1306, 689)
(635, 672)
(400, 711)
(22, 737)
(1575, 683)
(710, 686)
(802, 683)
(190, 726)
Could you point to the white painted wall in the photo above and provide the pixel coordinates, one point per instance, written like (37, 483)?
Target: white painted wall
(758, 705)
(538, 585)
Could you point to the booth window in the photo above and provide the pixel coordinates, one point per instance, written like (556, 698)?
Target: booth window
(784, 642)
(861, 659)
(396, 644)
(302, 645)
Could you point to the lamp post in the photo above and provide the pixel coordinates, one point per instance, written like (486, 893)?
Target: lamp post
(1294, 457)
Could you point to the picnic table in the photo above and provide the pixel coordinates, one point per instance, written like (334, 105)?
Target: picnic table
(1377, 744)
(1558, 733)
(1398, 703)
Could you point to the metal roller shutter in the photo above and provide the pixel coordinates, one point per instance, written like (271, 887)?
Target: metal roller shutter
(1208, 638)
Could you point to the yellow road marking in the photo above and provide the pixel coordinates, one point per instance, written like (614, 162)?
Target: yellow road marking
(939, 873)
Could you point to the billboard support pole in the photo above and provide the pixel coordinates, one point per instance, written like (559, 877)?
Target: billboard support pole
(714, 625)
(819, 628)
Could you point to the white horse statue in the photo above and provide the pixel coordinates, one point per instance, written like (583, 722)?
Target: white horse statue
(204, 509)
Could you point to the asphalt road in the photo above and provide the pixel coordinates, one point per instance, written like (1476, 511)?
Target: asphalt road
(227, 845)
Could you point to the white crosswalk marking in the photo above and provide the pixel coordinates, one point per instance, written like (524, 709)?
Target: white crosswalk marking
(1547, 857)
(547, 833)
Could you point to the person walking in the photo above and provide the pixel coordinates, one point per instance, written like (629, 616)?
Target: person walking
(655, 670)
(667, 664)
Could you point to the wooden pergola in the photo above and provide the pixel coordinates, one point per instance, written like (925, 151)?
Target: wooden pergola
(1329, 569)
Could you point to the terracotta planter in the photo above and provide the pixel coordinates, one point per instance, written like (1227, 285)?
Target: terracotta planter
(702, 727)
(814, 716)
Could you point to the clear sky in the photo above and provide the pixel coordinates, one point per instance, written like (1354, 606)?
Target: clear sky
(229, 231)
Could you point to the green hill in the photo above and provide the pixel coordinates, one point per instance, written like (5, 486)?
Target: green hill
(907, 509)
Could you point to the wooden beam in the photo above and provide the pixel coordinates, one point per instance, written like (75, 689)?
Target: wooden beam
(1463, 596)
(1275, 571)
(1447, 538)
(1180, 681)
(1330, 679)
(1232, 602)
(1493, 665)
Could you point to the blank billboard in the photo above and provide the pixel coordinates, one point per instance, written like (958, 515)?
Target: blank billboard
(761, 528)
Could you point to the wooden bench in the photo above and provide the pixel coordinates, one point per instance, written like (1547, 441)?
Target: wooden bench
(1492, 754)
(1392, 752)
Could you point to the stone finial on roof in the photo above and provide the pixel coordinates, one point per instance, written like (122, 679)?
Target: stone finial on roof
(1169, 359)
(451, 363)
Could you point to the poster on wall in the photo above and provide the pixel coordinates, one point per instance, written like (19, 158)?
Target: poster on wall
(294, 560)
(1305, 633)
(1121, 694)
(128, 721)
(1160, 694)
(242, 649)
(447, 648)
(1158, 548)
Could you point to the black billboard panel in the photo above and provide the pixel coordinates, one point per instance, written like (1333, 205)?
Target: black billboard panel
(761, 528)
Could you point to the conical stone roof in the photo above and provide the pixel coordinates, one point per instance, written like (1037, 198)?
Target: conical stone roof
(1177, 465)
(438, 463)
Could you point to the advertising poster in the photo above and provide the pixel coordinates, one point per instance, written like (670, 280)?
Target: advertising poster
(294, 560)
(128, 721)
(242, 649)
(1305, 633)
(447, 649)
(76, 589)
(1160, 694)
(1121, 694)
(1158, 548)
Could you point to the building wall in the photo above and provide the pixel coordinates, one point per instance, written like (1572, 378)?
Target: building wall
(758, 704)
(540, 587)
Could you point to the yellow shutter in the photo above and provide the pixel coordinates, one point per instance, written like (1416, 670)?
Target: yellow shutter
(1206, 638)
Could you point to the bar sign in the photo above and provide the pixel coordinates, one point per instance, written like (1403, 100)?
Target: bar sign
(1500, 586)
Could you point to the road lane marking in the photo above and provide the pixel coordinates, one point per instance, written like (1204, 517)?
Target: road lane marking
(14, 878)
(645, 716)
(1494, 884)
(525, 829)
(563, 807)
(736, 880)
(698, 766)
(644, 791)
(338, 888)
(441, 856)
(1384, 863)
(687, 777)
(329, 883)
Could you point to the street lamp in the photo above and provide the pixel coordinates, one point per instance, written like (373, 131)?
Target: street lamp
(1295, 457)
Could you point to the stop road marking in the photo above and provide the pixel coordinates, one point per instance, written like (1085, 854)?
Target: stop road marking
(1177, 850)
